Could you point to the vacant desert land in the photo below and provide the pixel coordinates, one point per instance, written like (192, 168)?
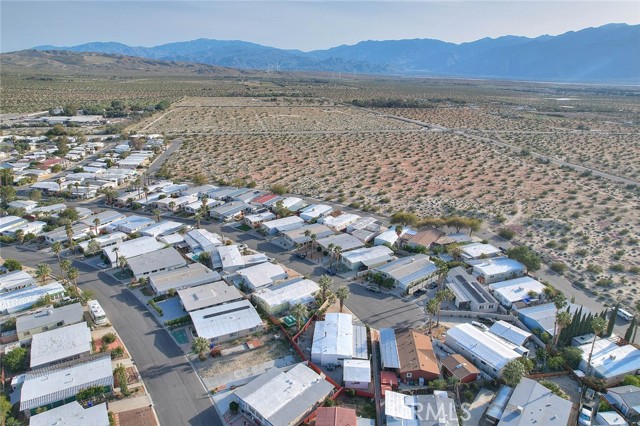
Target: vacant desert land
(363, 158)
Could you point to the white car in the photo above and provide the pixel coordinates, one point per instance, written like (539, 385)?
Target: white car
(102, 265)
(585, 417)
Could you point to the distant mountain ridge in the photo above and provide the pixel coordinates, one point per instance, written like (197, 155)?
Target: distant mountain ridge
(610, 53)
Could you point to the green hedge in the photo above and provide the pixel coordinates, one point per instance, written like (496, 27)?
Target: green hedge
(156, 307)
(178, 321)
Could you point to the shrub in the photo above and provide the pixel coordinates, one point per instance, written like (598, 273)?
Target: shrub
(234, 407)
(507, 233)
(558, 267)
(572, 355)
(108, 338)
(554, 388)
(178, 321)
(16, 360)
(89, 393)
(156, 307)
(556, 363)
(117, 352)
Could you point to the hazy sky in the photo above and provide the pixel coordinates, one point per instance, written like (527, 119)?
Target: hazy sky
(304, 25)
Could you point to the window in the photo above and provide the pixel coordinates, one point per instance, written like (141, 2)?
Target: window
(409, 375)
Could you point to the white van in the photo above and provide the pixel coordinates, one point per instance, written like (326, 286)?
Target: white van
(625, 315)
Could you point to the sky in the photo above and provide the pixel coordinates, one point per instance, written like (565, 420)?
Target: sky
(293, 24)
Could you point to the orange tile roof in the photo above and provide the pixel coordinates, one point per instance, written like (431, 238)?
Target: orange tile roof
(336, 416)
(416, 353)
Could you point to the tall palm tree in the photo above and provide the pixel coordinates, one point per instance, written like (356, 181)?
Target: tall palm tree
(324, 283)
(563, 320)
(314, 237)
(116, 250)
(146, 194)
(198, 216)
(342, 294)
(172, 205)
(337, 250)
(200, 346)
(560, 302)
(96, 223)
(73, 274)
(431, 309)
(307, 234)
(122, 262)
(65, 265)
(300, 313)
(598, 324)
(19, 234)
(442, 296)
(204, 209)
(441, 272)
(77, 185)
(57, 248)
(69, 231)
(43, 271)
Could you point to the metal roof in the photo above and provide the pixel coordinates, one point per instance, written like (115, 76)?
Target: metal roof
(510, 332)
(500, 265)
(68, 314)
(531, 403)
(466, 288)
(389, 349)
(144, 264)
(262, 274)
(191, 275)
(162, 228)
(476, 250)
(483, 345)
(333, 336)
(202, 240)
(60, 343)
(204, 296)
(300, 290)
(47, 385)
(345, 241)
(72, 414)
(360, 349)
(610, 360)
(517, 289)
(223, 320)
(356, 370)
(499, 402)
(407, 270)
(283, 398)
(367, 253)
(132, 248)
(24, 298)
(15, 279)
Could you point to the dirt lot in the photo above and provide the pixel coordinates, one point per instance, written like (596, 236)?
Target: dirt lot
(272, 349)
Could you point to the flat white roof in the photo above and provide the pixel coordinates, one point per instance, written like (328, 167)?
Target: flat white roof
(283, 397)
(339, 222)
(15, 279)
(610, 360)
(406, 270)
(300, 290)
(510, 332)
(334, 335)
(132, 248)
(72, 414)
(475, 250)
(48, 385)
(191, 275)
(285, 222)
(356, 370)
(24, 298)
(201, 239)
(517, 289)
(396, 407)
(484, 345)
(230, 256)
(315, 210)
(147, 263)
(223, 320)
(262, 274)
(105, 239)
(60, 343)
(389, 236)
(260, 217)
(345, 241)
(500, 265)
(367, 253)
(204, 296)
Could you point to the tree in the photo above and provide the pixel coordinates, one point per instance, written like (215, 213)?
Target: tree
(96, 223)
(93, 247)
(57, 248)
(43, 271)
(16, 360)
(337, 251)
(598, 325)
(200, 346)
(65, 264)
(324, 283)
(122, 263)
(199, 179)
(279, 189)
(234, 407)
(563, 320)
(612, 320)
(12, 265)
(513, 372)
(157, 213)
(405, 218)
(300, 313)
(5, 410)
(474, 225)
(431, 309)
(628, 336)
(443, 296)
(19, 234)
(526, 256)
(442, 271)
(205, 258)
(342, 294)
(559, 301)
(35, 195)
(197, 217)
(7, 194)
(69, 232)
(72, 275)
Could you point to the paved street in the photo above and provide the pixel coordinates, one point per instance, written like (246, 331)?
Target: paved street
(178, 395)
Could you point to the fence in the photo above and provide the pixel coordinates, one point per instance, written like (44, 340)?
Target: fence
(473, 314)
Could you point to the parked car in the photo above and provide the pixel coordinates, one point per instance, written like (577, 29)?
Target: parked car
(585, 418)
(102, 265)
(300, 256)
(480, 325)
(373, 288)
(419, 292)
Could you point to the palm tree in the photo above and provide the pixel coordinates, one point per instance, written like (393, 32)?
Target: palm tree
(441, 272)
(116, 250)
(65, 264)
(77, 185)
(19, 235)
(96, 223)
(204, 207)
(431, 309)
(122, 262)
(324, 283)
(69, 231)
(73, 274)
(314, 237)
(442, 296)
(200, 346)
(57, 248)
(43, 271)
(330, 250)
(337, 250)
(560, 302)
(172, 205)
(307, 234)
(342, 294)
(198, 216)
(598, 324)
(146, 194)
(300, 313)
(157, 213)
(563, 320)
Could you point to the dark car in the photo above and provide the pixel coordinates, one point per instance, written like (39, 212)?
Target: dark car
(300, 256)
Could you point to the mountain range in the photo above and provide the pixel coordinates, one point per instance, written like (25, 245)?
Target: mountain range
(610, 53)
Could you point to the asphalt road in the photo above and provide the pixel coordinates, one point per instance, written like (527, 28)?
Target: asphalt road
(176, 391)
